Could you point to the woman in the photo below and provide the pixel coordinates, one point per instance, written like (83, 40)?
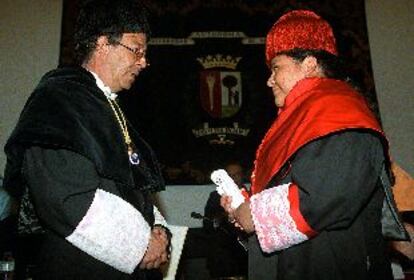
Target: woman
(317, 205)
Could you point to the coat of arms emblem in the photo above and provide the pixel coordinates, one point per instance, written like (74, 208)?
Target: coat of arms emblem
(220, 85)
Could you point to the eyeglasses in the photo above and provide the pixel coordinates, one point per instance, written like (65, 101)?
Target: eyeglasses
(138, 52)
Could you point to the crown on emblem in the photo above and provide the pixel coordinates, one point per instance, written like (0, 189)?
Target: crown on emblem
(218, 60)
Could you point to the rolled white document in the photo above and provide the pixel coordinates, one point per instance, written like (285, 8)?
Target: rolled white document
(226, 186)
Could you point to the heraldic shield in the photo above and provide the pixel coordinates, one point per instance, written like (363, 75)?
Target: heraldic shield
(220, 92)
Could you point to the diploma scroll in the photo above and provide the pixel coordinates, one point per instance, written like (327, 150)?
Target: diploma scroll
(226, 186)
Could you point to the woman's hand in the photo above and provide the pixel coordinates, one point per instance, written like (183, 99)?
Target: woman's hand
(241, 217)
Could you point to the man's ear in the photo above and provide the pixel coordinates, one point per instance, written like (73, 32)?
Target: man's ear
(102, 43)
(310, 66)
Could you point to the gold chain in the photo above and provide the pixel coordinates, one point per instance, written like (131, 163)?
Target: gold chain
(121, 121)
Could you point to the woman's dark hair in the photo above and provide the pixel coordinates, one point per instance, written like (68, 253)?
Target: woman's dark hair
(107, 18)
(331, 65)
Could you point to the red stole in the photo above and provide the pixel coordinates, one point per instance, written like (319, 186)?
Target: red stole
(314, 108)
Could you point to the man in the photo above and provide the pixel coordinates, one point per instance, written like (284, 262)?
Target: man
(88, 174)
(321, 201)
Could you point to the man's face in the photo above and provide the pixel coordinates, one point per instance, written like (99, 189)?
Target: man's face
(126, 60)
(286, 72)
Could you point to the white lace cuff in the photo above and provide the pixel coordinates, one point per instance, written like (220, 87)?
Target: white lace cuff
(112, 231)
(275, 227)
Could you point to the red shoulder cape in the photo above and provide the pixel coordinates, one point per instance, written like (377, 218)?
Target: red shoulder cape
(314, 108)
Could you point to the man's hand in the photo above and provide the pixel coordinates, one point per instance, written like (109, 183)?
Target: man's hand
(157, 251)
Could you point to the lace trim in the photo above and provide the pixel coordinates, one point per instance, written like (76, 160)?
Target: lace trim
(275, 228)
(112, 231)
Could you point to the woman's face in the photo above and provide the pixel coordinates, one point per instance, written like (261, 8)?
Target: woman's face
(286, 72)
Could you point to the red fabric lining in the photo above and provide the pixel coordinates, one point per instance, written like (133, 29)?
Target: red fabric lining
(294, 211)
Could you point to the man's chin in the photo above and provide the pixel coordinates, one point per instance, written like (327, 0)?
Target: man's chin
(127, 86)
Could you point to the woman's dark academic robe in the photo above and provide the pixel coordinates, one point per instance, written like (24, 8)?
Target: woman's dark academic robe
(348, 210)
(321, 214)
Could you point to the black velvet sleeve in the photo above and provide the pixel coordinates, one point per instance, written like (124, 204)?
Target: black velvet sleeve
(62, 186)
(336, 177)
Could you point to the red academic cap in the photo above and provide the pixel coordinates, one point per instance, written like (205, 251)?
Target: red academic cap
(300, 29)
